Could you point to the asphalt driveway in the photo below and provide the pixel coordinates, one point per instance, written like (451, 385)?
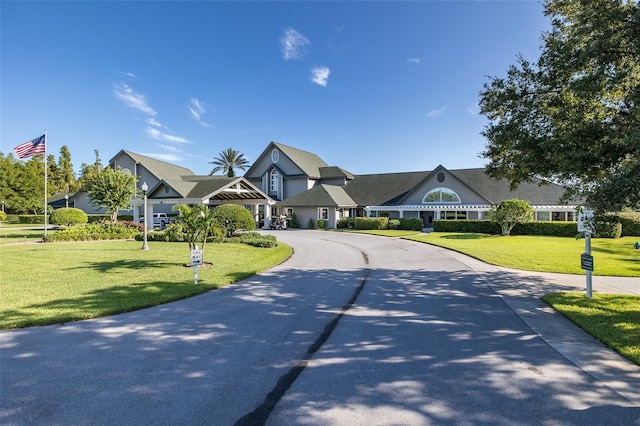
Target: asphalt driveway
(353, 329)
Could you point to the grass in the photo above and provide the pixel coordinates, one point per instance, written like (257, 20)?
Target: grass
(612, 319)
(60, 282)
(8, 236)
(612, 257)
(384, 232)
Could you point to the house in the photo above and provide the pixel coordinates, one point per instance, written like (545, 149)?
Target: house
(302, 183)
(285, 180)
(169, 185)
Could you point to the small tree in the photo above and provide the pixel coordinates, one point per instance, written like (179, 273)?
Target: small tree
(510, 212)
(233, 217)
(195, 223)
(112, 189)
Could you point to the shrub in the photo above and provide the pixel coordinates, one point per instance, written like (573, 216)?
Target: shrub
(322, 224)
(68, 216)
(394, 223)
(254, 239)
(630, 223)
(344, 223)
(365, 223)
(31, 219)
(548, 228)
(311, 224)
(104, 231)
(292, 222)
(607, 227)
(233, 217)
(3, 216)
(478, 226)
(411, 224)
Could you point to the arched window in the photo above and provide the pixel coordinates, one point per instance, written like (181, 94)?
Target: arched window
(274, 178)
(441, 195)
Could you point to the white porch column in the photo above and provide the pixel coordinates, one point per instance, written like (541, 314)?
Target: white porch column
(267, 215)
(401, 213)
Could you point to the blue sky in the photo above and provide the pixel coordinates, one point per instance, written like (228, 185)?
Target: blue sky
(372, 87)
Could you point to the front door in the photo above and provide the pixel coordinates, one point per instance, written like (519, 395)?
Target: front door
(427, 218)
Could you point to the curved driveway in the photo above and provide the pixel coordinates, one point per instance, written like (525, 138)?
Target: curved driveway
(352, 330)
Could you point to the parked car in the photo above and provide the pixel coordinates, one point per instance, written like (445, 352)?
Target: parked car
(160, 220)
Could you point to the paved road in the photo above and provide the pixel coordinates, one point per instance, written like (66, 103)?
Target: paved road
(353, 329)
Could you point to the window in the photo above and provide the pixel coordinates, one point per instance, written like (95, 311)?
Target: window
(288, 211)
(441, 195)
(274, 178)
(275, 155)
(323, 213)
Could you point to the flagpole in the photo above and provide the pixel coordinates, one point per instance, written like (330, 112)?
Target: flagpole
(46, 220)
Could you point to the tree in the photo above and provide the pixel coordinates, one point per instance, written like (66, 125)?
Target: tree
(510, 212)
(89, 171)
(112, 189)
(64, 177)
(229, 160)
(573, 117)
(195, 224)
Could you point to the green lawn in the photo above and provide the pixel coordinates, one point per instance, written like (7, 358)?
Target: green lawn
(612, 257)
(60, 282)
(612, 319)
(10, 235)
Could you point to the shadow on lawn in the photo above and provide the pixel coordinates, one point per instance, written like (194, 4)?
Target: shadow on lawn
(466, 237)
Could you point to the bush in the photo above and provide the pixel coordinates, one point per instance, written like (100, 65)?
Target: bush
(322, 224)
(254, 239)
(105, 231)
(411, 224)
(233, 217)
(68, 216)
(607, 227)
(548, 228)
(31, 219)
(630, 223)
(344, 223)
(478, 226)
(365, 223)
(311, 224)
(3, 216)
(394, 223)
(292, 222)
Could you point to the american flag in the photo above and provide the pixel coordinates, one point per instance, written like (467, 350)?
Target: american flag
(27, 149)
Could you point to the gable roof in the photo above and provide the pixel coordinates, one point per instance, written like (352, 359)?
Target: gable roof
(537, 192)
(160, 169)
(333, 172)
(322, 196)
(308, 162)
(382, 189)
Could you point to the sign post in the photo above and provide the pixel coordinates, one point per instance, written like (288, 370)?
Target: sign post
(585, 224)
(196, 260)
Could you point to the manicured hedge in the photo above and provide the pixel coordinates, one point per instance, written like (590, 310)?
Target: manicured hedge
(31, 219)
(630, 222)
(548, 228)
(68, 216)
(94, 231)
(371, 223)
(479, 226)
(254, 239)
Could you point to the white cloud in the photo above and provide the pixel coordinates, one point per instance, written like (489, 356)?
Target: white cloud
(294, 45)
(157, 134)
(128, 74)
(414, 60)
(132, 99)
(171, 158)
(153, 122)
(197, 109)
(170, 148)
(320, 75)
(436, 112)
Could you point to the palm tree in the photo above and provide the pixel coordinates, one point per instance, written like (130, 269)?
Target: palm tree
(229, 160)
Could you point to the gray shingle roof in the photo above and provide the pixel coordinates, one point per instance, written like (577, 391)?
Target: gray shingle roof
(160, 169)
(382, 189)
(320, 195)
(309, 163)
